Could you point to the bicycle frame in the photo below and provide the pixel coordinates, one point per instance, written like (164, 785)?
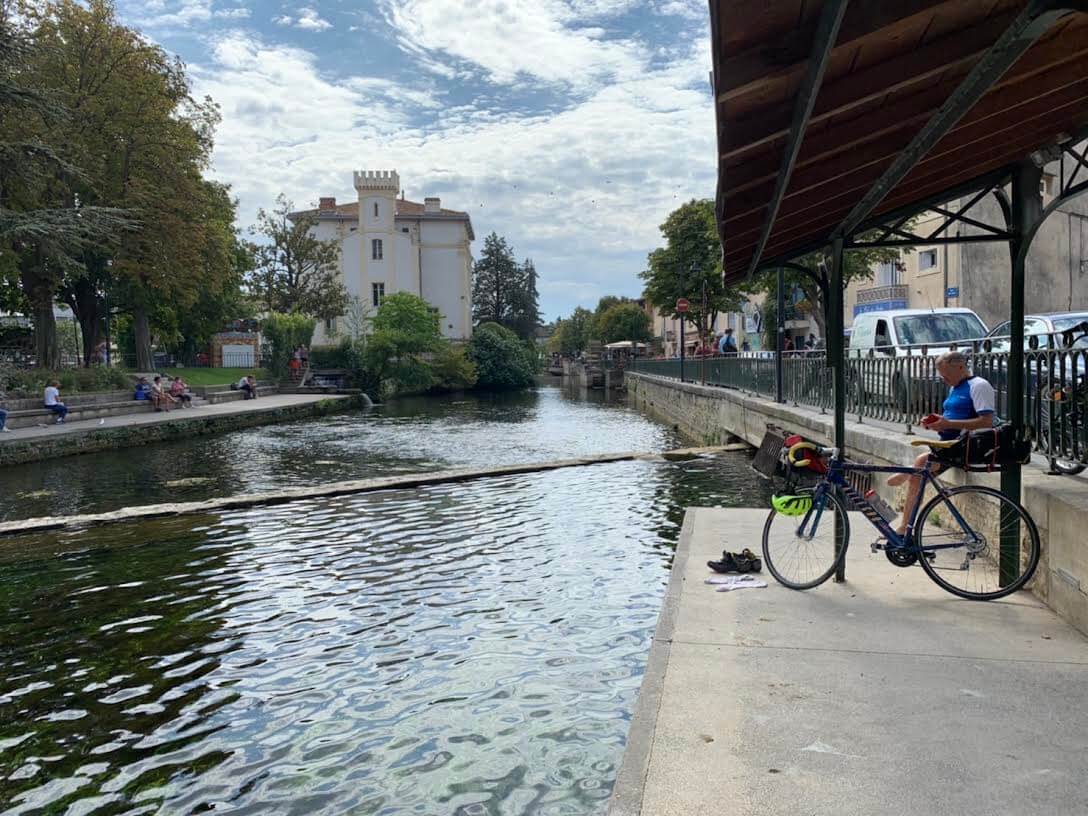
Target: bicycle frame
(836, 477)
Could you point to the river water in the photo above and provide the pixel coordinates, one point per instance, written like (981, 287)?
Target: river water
(460, 649)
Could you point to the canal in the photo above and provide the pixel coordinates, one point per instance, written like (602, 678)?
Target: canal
(461, 649)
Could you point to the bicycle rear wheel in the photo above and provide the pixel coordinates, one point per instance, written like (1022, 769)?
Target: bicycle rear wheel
(968, 555)
(800, 550)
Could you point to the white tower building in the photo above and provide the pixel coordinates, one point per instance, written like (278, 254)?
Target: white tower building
(390, 244)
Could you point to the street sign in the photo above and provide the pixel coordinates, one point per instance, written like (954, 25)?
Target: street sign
(682, 305)
(952, 291)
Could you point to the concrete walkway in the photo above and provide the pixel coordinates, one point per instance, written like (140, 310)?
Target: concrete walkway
(51, 430)
(883, 695)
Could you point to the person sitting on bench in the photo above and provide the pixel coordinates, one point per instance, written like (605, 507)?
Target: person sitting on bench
(159, 398)
(53, 403)
(249, 386)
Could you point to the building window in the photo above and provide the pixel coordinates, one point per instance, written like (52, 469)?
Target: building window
(927, 260)
(404, 229)
(377, 292)
(330, 327)
(376, 249)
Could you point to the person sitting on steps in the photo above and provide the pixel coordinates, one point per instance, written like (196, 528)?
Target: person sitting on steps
(53, 403)
(968, 407)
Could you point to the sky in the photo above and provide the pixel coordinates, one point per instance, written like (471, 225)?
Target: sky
(570, 127)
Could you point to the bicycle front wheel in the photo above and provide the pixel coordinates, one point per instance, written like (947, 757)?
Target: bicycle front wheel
(961, 534)
(800, 550)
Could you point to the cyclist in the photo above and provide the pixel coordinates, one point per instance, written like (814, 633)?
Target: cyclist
(969, 406)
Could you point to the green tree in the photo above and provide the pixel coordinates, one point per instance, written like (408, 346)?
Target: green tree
(623, 321)
(405, 330)
(295, 270)
(689, 266)
(285, 333)
(49, 215)
(858, 264)
(503, 362)
(572, 333)
(504, 291)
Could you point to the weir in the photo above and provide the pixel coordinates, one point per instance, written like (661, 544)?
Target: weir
(150, 511)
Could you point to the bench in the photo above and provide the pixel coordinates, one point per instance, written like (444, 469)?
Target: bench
(217, 394)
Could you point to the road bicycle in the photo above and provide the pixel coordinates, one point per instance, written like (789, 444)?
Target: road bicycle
(956, 537)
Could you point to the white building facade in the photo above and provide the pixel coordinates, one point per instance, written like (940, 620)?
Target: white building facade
(389, 244)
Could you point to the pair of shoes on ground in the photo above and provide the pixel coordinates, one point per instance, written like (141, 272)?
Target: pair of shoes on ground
(744, 561)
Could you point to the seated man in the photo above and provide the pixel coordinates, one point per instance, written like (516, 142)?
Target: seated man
(249, 386)
(969, 406)
(53, 403)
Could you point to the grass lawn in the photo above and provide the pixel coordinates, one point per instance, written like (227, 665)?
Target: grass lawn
(215, 376)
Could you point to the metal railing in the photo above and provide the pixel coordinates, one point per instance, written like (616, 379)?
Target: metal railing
(904, 388)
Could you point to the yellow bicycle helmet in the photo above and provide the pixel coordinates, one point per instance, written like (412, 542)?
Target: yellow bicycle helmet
(791, 505)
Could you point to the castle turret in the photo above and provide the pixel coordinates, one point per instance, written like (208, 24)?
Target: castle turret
(377, 210)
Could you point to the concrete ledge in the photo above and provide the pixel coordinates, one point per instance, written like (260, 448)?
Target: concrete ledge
(1059, 504)
(54, 441)
(883, 695)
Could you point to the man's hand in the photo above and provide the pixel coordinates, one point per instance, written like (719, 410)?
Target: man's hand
(939, 424)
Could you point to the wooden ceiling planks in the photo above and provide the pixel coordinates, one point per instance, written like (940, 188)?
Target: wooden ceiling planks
(892, 67)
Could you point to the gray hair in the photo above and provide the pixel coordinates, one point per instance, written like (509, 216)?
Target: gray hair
(952, 358)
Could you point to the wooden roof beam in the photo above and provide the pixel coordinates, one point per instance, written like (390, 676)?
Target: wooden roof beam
(788, 57)
(1029, 25)
(827, 31)
(954, 54)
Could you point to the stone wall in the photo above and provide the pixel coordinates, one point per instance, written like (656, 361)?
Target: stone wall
(1059, 504)
(37, 449)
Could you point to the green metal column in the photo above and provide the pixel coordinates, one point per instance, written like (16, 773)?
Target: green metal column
(1027, 208)
(836, 358)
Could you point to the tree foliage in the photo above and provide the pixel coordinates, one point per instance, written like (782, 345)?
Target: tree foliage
(688, 266)
(109, 193)
(622, 321)
(406, 329)
(504, 291)
(285, 333)
(295, 270)
(503, 361)
(857, 265)
(572, 334)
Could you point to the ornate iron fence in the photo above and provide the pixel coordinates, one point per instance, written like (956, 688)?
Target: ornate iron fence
(904, 388)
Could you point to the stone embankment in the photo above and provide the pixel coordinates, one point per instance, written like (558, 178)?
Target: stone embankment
(1059, 504)
(132, 429)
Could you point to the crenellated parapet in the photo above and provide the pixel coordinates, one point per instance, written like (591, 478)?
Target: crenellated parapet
(376, 180)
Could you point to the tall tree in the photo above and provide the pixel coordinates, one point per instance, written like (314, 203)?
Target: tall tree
(295, 271)
(689, 266)
(496, 281)
(572, 333)
(49, 218)
(524, 316)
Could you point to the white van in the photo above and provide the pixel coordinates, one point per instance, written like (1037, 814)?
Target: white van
(905, 333)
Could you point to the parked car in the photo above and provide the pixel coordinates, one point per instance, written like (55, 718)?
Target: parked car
(1041, 326)
(1055, 380)
(896, 342)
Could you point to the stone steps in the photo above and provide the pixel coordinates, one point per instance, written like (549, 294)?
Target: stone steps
(217, 397)
(29, 418)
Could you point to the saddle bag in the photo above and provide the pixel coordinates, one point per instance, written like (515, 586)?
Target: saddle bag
(987, 449)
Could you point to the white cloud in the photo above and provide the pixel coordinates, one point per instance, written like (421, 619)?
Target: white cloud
(689, 9)
(179, 14)
(581, 191)
(544, 39)
(239, 13)
(307, 19)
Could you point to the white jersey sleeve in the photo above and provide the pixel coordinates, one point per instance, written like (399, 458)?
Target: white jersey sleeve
(982, 395)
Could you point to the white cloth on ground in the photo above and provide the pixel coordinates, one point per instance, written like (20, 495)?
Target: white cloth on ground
(727, 583)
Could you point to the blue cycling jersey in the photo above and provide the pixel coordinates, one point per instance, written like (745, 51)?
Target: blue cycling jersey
(967, 399)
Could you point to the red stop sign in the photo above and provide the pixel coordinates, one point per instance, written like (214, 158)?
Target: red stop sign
(682, 304)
